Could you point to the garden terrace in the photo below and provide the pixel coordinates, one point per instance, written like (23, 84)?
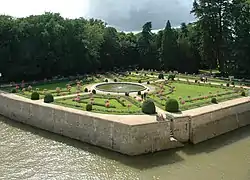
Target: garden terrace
(137, 77)
(62, 88)
(103, 103)
(192, 95)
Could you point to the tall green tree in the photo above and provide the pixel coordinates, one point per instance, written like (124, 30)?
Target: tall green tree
(169, 48)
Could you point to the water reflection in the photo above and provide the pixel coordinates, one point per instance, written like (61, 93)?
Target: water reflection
(30, 153)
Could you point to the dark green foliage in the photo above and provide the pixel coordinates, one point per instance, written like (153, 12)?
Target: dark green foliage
(94, 91)
(35, 96)
(243, 93)
(232, 83)
(172, 105)
(13, 90)
(126, 94)
(89, 107)
(139, 81)
(171, 77)
(139, 93)
(196, 81)
(48, 98)
(214, 101)
(115, 80)
(145, 95)
(148, 107)
(228, 84)
(148, 82)
(106, 80)
(86, 90)
(161, 76)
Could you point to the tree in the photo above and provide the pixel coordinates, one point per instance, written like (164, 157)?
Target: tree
(170, 49)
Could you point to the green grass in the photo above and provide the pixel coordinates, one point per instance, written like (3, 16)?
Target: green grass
(118, 104)
(193, 95)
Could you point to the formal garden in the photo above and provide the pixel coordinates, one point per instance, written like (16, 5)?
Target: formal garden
(132, 92)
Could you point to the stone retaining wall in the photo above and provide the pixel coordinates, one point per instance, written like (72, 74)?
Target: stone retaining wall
(121, 137)
(204, 123)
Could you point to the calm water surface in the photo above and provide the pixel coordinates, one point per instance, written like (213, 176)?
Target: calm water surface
(29, 153)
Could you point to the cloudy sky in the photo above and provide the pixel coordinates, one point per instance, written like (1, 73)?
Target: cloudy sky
(126, 15)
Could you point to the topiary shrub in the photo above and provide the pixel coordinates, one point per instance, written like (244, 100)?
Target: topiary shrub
(94, 91)
(13, 90)
(172, 105)
(228, 85)
(171, 77)
(243, 93)
(152, 74)
(214, 101)
(106, 80)
(139, 81)
(48, 98)
(86, 90)
(126, 94)
(89, 107)
(139, 93)
(35, 96)
(148, 82)
(115, 80)
(232, 83)
(148, 107)
(160, 76)
(196, 81)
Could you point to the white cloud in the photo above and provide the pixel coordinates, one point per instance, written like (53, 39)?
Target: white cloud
(22, 8)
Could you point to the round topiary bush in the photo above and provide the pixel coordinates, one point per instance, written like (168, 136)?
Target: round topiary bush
(148, 82)
(160, 76)
(13, 90)
(115, 80)
(243, 93)
(232, 83)
(35, 96)
(148, 107)
(139, 93)
(86, 90)
(94, 91)
(106, 80)
(139, 81)
(228, 85)
(214, 101)
(172, 105)
(171, 77)
(89, 107)
(126, 94)
(48, 98)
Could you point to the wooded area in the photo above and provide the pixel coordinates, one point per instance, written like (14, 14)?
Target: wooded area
(47, 45)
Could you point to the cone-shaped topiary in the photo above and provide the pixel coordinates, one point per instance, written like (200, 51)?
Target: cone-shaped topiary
(89, 107)
(172, 105)
(35, 96)
(48, 98)
(148, 107)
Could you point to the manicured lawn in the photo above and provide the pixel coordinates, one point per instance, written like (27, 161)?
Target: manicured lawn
(191, 95)
(117, 104)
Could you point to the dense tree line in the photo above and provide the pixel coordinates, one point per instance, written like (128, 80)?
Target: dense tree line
(47, 45)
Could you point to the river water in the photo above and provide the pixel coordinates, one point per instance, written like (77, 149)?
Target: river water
(30, 153)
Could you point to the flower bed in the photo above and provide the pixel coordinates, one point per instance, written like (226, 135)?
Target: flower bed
(103, 103)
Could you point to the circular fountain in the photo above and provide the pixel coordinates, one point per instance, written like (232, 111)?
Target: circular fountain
(120, 87)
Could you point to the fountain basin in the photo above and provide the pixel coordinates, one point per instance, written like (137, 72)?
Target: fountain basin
(120, 87)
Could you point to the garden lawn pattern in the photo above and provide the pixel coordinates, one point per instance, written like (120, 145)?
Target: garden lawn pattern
(191, 95)
(103, 103)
